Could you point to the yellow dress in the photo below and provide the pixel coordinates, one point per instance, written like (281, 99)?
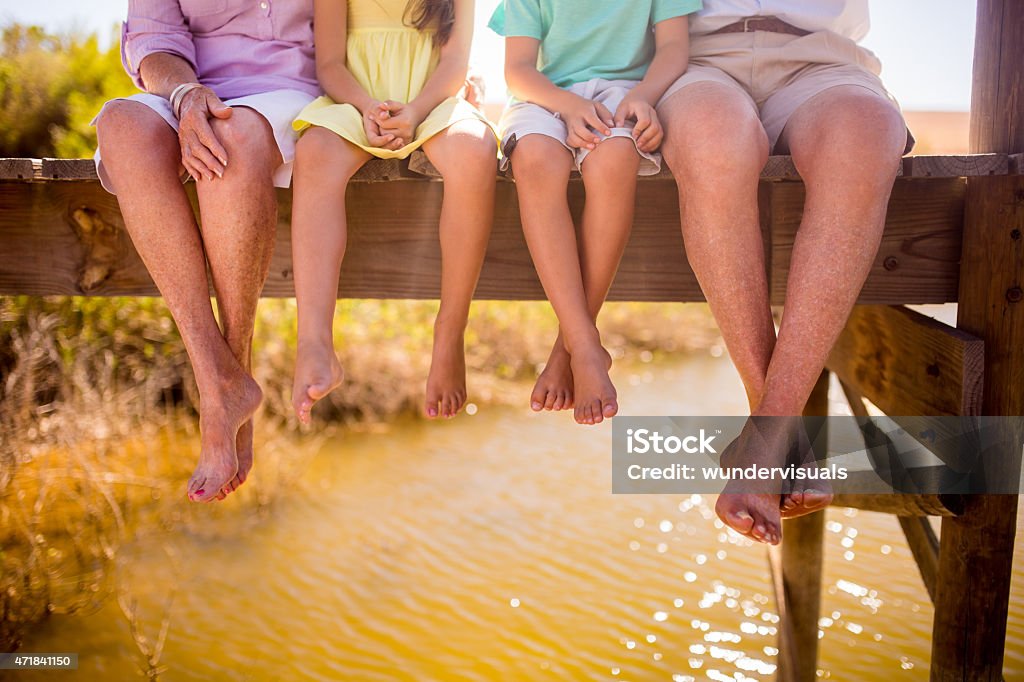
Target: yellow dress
(391, 60)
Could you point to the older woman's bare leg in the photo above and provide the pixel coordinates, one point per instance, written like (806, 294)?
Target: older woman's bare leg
(159, 219)
(239, 225)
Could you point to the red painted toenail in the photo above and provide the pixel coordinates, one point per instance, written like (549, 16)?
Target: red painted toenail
(199, 492)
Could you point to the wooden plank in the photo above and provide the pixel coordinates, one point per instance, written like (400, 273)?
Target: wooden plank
(68, 169)
(909, 364)
(802, 556)
(393, 247)
(924, 545)
(997, 124)
(965, 165)
(976, 552)
(16, 169)
(902, 505)
(918, 261)
(1017, 164)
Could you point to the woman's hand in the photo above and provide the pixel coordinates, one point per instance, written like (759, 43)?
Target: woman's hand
(202, 154)
(401, 120)
(647, 130)
(582, 118)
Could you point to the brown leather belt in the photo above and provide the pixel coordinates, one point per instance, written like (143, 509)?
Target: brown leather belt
(769, 24)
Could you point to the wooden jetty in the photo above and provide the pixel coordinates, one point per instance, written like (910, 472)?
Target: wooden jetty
(953, 235)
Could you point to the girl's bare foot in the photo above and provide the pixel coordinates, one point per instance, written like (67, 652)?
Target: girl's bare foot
(220, 419)
(596, 399)
(317, 373)
(554, 389)
(446, 383)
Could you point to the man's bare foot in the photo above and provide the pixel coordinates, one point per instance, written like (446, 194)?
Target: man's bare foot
(317, 373)
(219, 424)
(596, 399)
(751, 507)
(554, 389)
(446, 383)
(808, 494)
(244, 453)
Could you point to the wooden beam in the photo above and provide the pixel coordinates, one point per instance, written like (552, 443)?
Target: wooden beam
(16, 169)
(902, 505)
(801, 556)
(924, 545)
(909, 364)
(965, 165)
(997, 92)
(918, 261)
(976, 552)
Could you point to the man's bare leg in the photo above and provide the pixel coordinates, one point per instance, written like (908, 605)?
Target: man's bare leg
(239, 225)
(716, 147)
(464, 154)
(609, 176)
(141, 154)
(846, 143)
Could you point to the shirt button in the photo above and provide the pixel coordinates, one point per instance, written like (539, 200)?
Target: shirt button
(263, 5)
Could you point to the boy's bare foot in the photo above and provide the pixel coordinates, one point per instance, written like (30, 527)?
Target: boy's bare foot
(219, 423)
(596, 399)
(806, 495)
(446, 383)
(317, 373)
(554, 389)
(244, 453)
(751, 508)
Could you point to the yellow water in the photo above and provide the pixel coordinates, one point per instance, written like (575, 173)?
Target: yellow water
(491, 548)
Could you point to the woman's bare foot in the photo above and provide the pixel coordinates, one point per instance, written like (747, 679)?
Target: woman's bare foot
(554, 389)
(446, 383)
(595, 394)
(220, 419)
(751, 508)
(244, 453)
(806, 495)
(317, 373)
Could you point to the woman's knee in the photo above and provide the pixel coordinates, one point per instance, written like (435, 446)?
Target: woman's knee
(246, 133)
(123, 125)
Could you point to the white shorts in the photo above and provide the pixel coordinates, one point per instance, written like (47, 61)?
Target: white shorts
(278, 107)
(523, 118)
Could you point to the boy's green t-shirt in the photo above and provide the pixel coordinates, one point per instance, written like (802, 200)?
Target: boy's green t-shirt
(585, 39)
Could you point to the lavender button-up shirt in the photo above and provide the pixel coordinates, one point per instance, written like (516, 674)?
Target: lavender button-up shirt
(237, 47)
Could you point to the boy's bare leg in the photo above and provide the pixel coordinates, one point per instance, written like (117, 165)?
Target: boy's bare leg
(465, 156)
(239, 226)
(846, 143)
(609, 175)
(324, 164)
(542, 166)
(159, 219)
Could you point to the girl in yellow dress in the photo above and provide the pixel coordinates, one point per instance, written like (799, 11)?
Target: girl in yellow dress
(392, 71)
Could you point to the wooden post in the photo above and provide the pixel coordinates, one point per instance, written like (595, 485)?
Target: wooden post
(976, 550)
(801, 562)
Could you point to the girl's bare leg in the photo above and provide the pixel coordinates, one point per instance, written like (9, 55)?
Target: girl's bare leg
(542, 165)
(465, 154)
(324, 164)
(609, 175)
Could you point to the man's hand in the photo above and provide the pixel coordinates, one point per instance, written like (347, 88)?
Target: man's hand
(647, 130)
(202, 154)
(582, 119)
(401, 120)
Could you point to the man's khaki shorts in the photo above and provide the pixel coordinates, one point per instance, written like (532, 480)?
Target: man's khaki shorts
(777, 72)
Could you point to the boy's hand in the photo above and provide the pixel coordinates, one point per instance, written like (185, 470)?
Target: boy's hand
(582, 119)
(647, 130)
(372, 116)
(401, 121)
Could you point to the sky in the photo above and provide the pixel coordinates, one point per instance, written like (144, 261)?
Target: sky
(926, 46)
